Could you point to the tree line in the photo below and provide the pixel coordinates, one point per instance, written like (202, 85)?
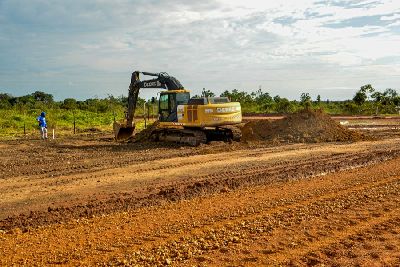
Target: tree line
(366, 101)
(41, 100)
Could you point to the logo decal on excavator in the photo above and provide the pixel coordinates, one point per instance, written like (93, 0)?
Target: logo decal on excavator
(152, 84)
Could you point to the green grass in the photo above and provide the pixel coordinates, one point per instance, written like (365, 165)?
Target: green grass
(13, 122)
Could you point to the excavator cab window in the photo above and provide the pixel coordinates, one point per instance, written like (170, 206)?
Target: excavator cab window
(163, 107)
(169, 103)
(182, 98)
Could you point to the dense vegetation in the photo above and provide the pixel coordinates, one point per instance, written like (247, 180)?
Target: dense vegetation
(366, 101)
(18, 114)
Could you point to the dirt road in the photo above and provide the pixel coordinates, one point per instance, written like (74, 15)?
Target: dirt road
(85, 202)
(61, 184)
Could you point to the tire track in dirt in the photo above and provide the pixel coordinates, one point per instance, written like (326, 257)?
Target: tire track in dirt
(326, 251)
(378, 243)
(342, 218)
(242, 227)
(103, 157)
(280, 207)
(249, 172)
(351, 210)
(55, 161)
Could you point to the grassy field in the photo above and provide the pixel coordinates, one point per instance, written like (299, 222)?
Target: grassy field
(16, 124)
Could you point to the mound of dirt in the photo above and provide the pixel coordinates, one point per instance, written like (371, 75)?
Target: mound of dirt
(306, 126)
(144, 135)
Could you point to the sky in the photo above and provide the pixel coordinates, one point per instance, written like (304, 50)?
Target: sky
(87, 49)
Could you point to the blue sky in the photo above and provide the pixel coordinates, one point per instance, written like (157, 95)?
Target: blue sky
(84, 49)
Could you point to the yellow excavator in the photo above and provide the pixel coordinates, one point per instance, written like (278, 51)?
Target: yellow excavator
(182, 119)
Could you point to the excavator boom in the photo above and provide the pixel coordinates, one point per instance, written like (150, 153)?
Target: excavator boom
(125, 130)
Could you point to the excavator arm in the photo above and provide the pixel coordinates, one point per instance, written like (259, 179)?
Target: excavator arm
(125, 130)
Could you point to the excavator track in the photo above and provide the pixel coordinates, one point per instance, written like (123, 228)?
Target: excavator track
(226, 133)
(192, 137)
(233, 132)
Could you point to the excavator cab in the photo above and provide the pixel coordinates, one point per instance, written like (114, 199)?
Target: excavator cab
(169, 102)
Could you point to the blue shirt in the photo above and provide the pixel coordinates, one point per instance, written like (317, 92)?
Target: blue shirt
(42, 121)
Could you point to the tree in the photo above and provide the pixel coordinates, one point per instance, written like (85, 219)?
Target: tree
(43, 97)
(387, 100)
(318, 99)
(394, 97)
(69, 103)
(263, 100)
(390, 92)
(361, 95)
(5, 101)
(277, 98)
(236, 96)
(360, 98)
(378, 98)
(207, 93)
(5, 97)
(283, 105)
(305, 100)
(367, 88)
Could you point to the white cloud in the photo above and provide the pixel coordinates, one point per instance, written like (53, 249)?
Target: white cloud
(392, 17)
(394, 24)
(279, 43)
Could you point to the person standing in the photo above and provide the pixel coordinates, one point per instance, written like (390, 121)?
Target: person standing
(42, 125)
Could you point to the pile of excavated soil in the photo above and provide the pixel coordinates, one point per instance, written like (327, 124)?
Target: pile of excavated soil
(306, 126)
(145, 134)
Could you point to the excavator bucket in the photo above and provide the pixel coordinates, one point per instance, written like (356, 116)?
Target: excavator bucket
(122, 132)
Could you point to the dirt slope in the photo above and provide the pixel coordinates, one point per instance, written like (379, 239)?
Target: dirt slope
(305, 126)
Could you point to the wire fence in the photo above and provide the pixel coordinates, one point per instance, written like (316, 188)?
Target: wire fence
(18, 123)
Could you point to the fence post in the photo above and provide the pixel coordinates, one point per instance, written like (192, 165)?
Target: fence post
(148, 112)
(24, 122)
(74, 122)
(144, 114)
